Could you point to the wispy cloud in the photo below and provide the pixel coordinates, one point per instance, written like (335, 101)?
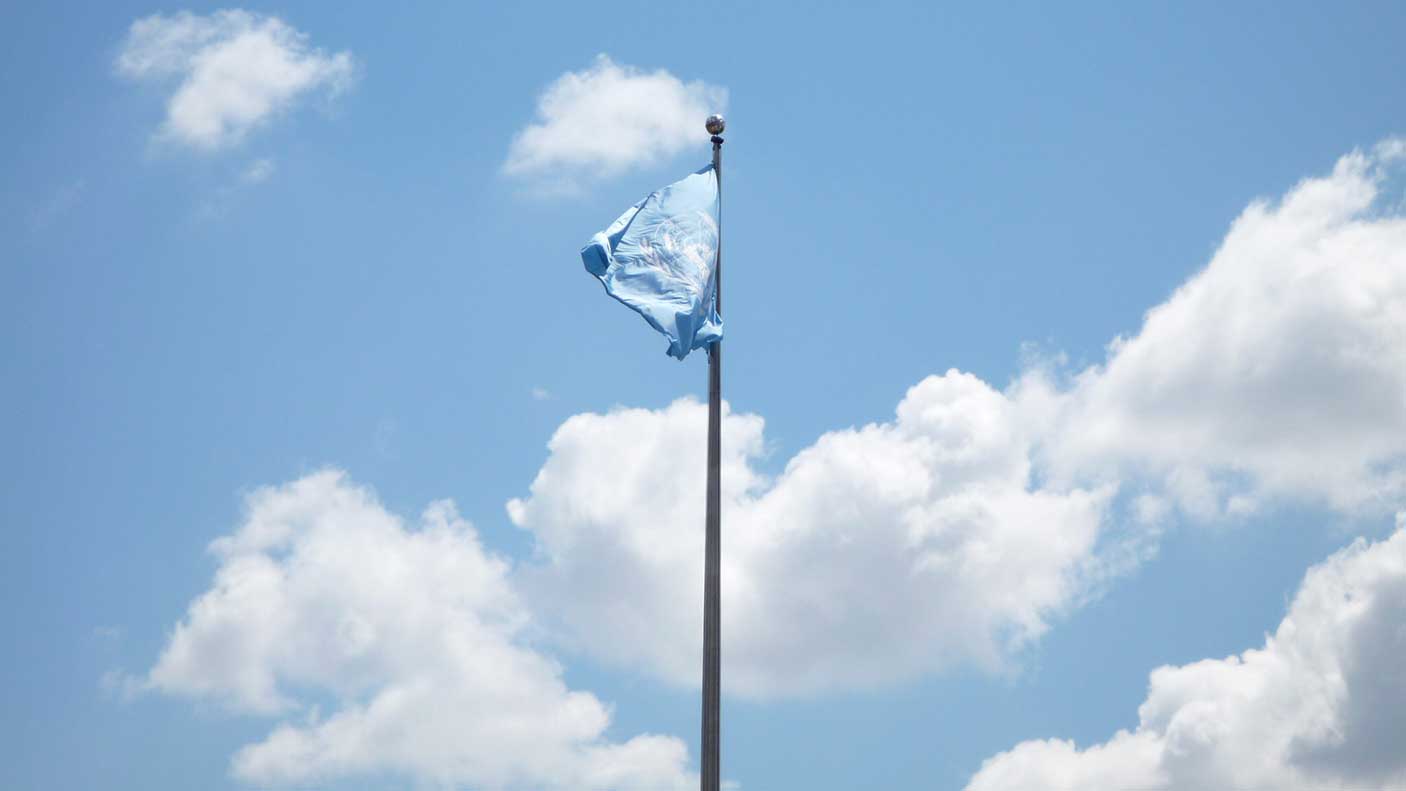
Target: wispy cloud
(259, 171)
(218, 203)
(234, 70)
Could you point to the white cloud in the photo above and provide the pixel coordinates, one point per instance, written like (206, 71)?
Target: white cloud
(416, 635)
(1321, 705)
(608, 118)
(1277, 371)
(878, 554)
(541, 394)
(236, 70)
(956, 532)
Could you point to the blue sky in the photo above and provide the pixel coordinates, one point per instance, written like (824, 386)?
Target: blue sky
(352, 276)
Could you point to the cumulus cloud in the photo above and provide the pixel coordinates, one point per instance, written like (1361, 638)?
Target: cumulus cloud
(956, 532)
(1321, 705)
(1277, 370)
(879, 553)
(608, 118)
(233, 70)
(415, 635)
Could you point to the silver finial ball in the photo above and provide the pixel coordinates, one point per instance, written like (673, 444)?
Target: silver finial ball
(715, 124)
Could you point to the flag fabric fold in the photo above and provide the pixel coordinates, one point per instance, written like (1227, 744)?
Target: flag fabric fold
(659, 259)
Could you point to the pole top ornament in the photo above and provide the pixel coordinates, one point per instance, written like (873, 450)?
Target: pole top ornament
(715, 124)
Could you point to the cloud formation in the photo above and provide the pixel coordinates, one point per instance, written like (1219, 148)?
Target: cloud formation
(234, 70)
(956, 532)
(415, 634)
(608, 118)
(1321, 705)
(878, 554)
(1277, 370)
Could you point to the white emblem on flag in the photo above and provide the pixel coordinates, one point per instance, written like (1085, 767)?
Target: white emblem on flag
(684, 247)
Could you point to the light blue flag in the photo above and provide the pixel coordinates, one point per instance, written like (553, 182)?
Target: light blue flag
(658, 258)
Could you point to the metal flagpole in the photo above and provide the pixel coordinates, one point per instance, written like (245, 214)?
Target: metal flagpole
(712, 553)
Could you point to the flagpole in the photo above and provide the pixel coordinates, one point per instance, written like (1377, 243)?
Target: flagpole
(712, 552)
